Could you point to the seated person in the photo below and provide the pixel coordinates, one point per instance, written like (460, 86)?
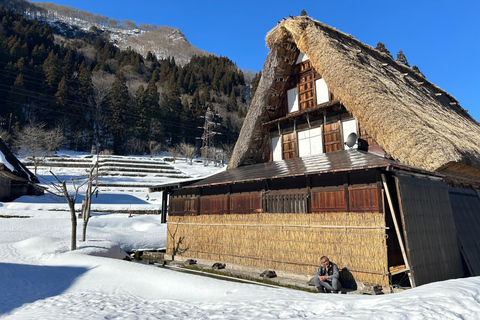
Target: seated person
(326, 278)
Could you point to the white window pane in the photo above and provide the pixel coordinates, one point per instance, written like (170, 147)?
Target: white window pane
(277, 149)
(304, 147)
(316, 141)
(292, 100)
(302, 57)
(310, 142)
(305, 134)
(322, 91)
(349, 126)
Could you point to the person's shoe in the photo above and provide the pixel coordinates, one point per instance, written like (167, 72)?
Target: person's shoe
(322, 290)
(334, 291)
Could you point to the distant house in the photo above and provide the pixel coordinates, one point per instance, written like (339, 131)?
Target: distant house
(15, 179)
(344, 152)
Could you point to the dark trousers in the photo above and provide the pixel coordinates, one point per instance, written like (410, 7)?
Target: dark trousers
(328, 285)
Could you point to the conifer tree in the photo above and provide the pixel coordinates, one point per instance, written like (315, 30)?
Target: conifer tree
(232, 102)
(172, 108)
(118, 104)
(52, 68)
(401, 58)
(16, 102)
(415, 68)
(381, 47)
(141, 112)
(62, 94)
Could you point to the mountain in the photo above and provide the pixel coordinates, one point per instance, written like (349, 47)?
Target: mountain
(162, 41)
(70, 75)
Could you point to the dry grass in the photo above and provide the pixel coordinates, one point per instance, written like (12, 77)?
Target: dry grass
(288, 242)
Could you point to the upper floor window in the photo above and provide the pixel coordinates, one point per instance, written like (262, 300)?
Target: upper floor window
(308, 142)
(306, 89)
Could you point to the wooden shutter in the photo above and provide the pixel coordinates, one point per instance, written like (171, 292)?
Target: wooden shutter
(245, 203)
(213, 205)
(332, 137)
(183, 206)
(306, 91)
(364, 199)
(289, 145)
(328, 200)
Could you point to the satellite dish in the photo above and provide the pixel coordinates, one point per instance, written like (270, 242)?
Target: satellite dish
(351, 139)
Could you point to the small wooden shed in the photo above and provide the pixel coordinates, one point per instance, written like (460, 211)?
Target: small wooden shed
(15, 179)
(297, 188)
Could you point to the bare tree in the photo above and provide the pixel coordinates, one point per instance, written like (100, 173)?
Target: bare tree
(113, 23)
(60, 190)
(86, 206)
(177, 242)
(128, 24)
(54, 139)
(228, 150)
(174, 152)
(6, 137)
(32, 141)
(218, 156)
(188, 151)
(134, 146)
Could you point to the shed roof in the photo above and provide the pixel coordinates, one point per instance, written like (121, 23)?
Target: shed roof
(413, 120)
(338, 161)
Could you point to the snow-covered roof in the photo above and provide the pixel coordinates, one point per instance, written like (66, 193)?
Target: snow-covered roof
(12, 168)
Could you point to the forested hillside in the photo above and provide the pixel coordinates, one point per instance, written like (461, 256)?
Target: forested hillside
(95, 92)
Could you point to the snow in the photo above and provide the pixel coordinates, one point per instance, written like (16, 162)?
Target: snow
(41, 279)
(4, 161)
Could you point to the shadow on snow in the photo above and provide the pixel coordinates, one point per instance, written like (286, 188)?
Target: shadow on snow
(23, 283)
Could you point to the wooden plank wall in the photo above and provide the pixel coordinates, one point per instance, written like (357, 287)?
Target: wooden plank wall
(429, 229)
(466, 213)
(287, 242)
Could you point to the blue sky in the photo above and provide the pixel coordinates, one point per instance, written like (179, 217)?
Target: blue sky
(440, 37)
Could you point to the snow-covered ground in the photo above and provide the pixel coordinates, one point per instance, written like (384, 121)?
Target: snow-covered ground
(41, 279)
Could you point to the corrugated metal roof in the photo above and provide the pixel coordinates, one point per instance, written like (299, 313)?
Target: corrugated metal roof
(347, 160)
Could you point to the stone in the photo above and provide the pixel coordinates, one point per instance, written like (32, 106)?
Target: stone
(268, 274)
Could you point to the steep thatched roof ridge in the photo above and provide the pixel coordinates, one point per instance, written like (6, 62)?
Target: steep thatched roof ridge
(413, 120)
(253, 118)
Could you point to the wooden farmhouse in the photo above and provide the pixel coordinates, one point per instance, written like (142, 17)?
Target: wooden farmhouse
(346, 153)
(15, 179)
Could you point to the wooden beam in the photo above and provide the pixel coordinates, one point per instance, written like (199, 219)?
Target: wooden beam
(397, 230)
(165, 195)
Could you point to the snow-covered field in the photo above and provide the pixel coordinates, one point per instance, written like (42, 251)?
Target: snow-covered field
(41, 279)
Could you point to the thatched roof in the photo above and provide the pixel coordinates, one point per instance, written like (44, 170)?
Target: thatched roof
(413, 120)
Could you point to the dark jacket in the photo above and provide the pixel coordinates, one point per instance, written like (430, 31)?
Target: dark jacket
(332, 271)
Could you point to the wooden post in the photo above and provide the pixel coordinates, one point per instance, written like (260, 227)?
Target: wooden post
(165, 194)
(397, 230)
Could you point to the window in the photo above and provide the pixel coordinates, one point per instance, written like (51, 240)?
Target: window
(302, 57)
(322, 91)
(349, 126)
(310, 142)
(292, 97)
(285, 203)
(277, 148)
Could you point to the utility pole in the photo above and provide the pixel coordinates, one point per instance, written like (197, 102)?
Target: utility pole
(207, 137)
